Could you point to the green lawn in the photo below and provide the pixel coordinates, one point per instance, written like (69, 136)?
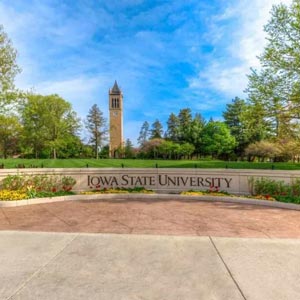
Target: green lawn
(141, 163)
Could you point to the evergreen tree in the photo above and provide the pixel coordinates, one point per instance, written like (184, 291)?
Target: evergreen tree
(172, 132)
(156, 130)
(185, 120)
(129, 150)
(144, 133)
(96, 125)
(233, 116)
(195, 133)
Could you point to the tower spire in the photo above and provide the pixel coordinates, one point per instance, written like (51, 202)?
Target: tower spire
(115, 89)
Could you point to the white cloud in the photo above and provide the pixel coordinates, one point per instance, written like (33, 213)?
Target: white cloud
(242, 43)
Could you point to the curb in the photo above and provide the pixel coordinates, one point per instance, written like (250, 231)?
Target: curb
(151, 197)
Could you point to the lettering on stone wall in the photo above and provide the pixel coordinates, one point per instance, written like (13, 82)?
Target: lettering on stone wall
(161, 180)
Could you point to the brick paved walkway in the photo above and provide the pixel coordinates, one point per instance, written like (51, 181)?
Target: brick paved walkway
(154, 217)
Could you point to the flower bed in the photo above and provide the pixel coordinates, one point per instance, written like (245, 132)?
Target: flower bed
(19, 187)
(141, 190)
(275, 190)
(204, 193)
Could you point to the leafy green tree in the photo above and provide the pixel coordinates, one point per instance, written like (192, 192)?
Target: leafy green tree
(10, 132)
(217, 140)
(186, 150)
(166, 149)
(96, 125)
(8, 70)
(48, 122)
(104, 152)
(70, 147)
(35, 124)
(144, 133)
(156, 130)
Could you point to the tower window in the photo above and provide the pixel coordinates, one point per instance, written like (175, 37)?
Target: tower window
(115, 103)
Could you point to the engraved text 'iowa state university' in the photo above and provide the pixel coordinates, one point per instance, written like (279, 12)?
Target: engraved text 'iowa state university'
(158, 180)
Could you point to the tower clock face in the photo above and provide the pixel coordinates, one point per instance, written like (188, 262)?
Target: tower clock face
(115, 113)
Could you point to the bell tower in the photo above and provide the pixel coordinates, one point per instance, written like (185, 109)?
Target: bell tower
(115, 121)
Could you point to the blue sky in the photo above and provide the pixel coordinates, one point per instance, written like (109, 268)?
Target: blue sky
(165, 55)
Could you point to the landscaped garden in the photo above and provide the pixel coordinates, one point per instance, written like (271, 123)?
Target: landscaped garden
(19, 187)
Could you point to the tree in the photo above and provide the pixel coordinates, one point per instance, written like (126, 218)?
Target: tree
(49, 123)
(233, 118)
(129, 149)
(166, 148)
(172, 132)
(276, 86)
(257, 125)
(8, 70)
(144, 133)
(104, 152)
(156, 130)
(263, 150)
(217, 140)
(10, 132)
(266, 91)
(151, 148)
(185, 119)
(96, 125)
(186, 149)
(290, 149)
(194, 136)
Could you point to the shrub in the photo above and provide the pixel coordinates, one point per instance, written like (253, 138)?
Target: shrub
(266, 186)
(279, 190)
(295, 187)
(13, 182)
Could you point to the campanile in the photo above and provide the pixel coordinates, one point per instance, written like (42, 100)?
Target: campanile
(115, 121)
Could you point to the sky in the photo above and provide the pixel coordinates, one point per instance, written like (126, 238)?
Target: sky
(165, 55)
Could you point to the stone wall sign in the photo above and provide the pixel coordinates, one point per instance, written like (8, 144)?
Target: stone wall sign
(162, 180)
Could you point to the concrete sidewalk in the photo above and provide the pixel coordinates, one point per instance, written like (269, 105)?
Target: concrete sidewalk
(128, 267)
